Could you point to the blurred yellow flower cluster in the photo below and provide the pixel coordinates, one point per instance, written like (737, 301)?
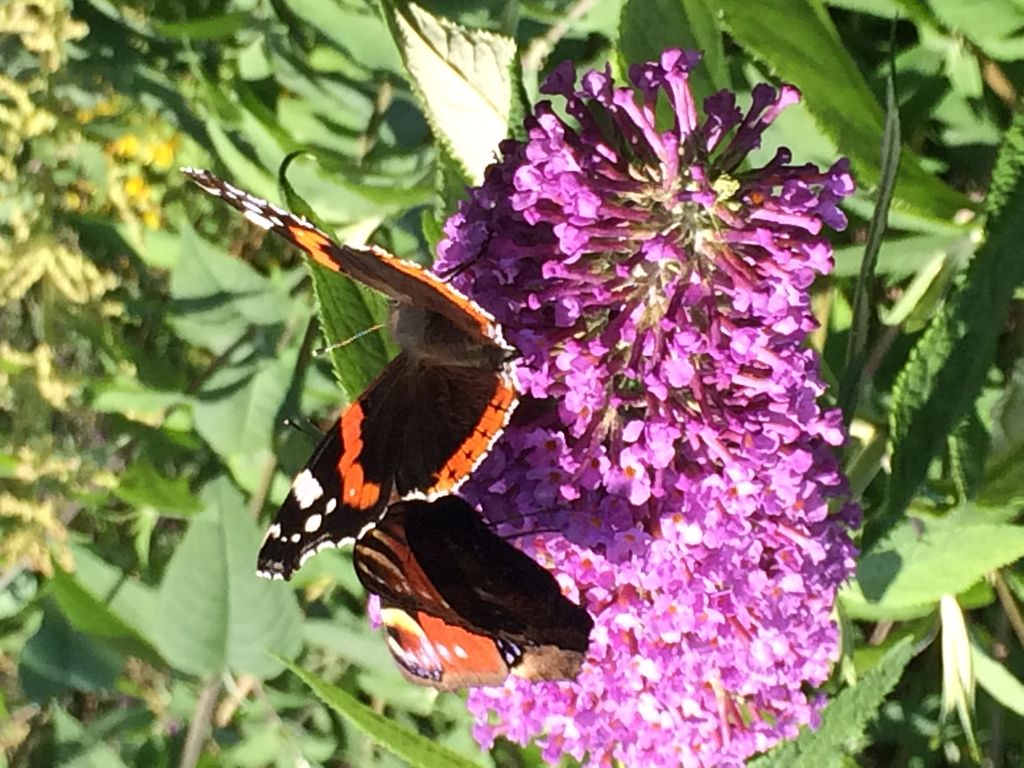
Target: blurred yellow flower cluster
(45, 27)
(68, 270)
(33, 535)
(31, 529)
(133, 159)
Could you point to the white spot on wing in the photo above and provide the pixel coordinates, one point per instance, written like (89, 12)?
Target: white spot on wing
(332, 504)
(273, 532)
(307, 489)
(313, 523)
(258, 219)
(461, 652)
(296, 537)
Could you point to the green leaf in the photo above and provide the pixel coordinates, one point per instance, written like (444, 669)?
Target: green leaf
(798, 40)
(918, 561)
(134, 603)
(57, 659)
(1004, 474)
(354, 28)
(142, 486)
(134, 400)
(995, 26)
(209, 28)
(350, 638)
(463, 79)
(947, 367)
(216, 298)
(968, 448)
(89, 614)
(418, 750)
(236, 411)
(997, 680)
(80, 747)
(348, 310)
(905, 256)
(215, 613)
(845, 718)
(648, 27)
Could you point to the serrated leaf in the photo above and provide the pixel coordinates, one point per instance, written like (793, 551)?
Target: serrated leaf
(968, 448)
(463, 79)
(347, 309)
(947, 367)
(215, 613)
(844, 719)
(418, 750)
(919, 561)
(800, 43)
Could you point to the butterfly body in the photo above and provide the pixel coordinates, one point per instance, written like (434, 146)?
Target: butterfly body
(419, 429)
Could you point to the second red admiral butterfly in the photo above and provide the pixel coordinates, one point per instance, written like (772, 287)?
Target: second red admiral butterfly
(419, 429)
(462, 606)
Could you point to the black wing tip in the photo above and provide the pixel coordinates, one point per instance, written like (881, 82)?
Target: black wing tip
(196, 174)
(273, 569)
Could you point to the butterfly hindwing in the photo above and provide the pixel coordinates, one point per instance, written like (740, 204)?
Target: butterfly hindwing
(461, 605)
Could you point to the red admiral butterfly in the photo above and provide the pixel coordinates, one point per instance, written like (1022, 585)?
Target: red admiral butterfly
(462, 606)
(419, 429)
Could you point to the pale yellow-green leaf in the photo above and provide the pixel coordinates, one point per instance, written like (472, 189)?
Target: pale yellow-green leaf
(462, 77)
(997, 680)
(957, 667)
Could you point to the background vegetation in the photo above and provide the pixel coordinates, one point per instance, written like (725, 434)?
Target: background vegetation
(151, 341)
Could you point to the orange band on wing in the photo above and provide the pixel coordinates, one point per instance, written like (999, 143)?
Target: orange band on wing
(464, 460)
(484, 322)
(314, 242)
(356, 492)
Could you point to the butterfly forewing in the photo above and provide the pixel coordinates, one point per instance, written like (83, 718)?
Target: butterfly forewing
(420, 428)
(401, 280)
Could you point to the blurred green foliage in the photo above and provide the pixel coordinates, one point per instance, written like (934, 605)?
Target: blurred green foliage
(151, 342)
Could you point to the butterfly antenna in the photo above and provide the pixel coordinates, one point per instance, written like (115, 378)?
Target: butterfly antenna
(304, 427)
(349, 340)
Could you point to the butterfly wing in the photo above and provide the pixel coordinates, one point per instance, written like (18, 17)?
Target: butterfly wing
(402, 280)
(416, 431)
(461, 606)
(345, 485)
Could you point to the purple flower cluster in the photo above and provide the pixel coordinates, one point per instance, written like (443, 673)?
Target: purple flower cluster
(659, 294)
